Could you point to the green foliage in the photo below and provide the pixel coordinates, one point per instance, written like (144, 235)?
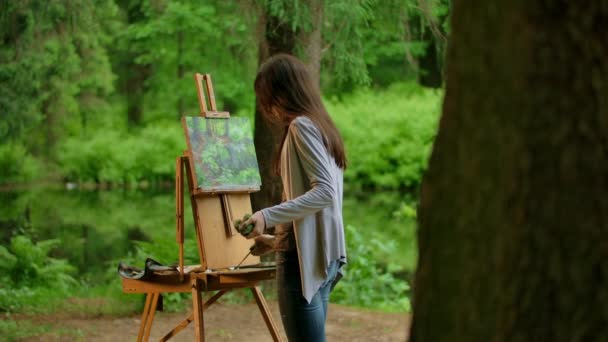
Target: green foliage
(11, 330)
(347, 23)
(367, 282)
(53, 63)
(70, 73)
(405, 211)
(367, 41)
(66, 71)
(381, 215)
(343, 27)
(388, 135)
(28, 264)
(393, 156)
(102, 228)
(17, 164)
(30, 299)
(179, 38)
(394, 42)
(29, 276)
(110, 156)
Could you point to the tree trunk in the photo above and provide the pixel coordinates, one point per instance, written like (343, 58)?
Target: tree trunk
(277, 37)
(311, 41)
(513, 217)
(134, 75)
(430, 63)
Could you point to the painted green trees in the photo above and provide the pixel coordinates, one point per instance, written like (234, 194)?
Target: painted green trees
(223, 153)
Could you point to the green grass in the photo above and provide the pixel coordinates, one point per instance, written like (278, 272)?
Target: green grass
(17, 329)
(14, 330)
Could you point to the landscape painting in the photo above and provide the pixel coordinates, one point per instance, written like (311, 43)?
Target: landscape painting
(223, 153)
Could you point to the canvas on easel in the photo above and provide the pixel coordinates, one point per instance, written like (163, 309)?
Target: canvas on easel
(222, 171)
(223, 154)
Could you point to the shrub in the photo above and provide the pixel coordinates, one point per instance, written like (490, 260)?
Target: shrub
(367, 283)
(28, 276)
(27, 264)
(385, 216)
(17, 164)
(388, 135)
(110, 156)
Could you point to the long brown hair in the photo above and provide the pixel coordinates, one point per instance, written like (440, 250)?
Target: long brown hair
(284, 91)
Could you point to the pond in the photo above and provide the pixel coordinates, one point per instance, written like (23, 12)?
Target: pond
(98, 228)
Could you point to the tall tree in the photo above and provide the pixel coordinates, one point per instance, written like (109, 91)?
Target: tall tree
(513, 217)
(433, 15)
(297, 27)
(276, 36)
(173, 40)
(53, 67)
(133, 74)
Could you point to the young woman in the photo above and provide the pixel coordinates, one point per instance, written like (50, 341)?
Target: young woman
(309, 231)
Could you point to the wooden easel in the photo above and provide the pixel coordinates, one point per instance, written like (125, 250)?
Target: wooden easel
(218, 247)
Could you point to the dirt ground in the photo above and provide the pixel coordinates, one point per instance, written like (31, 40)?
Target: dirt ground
(228, 322)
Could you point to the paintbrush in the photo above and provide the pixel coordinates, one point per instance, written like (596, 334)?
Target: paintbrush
(250, 250)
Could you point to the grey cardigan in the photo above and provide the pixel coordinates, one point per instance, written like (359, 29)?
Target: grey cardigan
(312, 185)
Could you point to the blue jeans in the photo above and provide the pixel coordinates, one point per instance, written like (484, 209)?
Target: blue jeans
(302, 321)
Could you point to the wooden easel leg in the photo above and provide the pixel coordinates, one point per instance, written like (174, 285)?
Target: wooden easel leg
(197, 310)
(144, 318)
(263, 306)
(147, 316)
(183, 324)
(151, 312)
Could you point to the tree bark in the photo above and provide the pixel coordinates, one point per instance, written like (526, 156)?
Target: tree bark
(277, 37)
(133, 75)
(311, 41)
(430, 64)
(513, 217)
(136, 76)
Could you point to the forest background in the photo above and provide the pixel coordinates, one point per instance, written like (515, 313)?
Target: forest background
(91, 93)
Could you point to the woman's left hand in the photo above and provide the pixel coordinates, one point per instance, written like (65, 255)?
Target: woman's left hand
(257, 219)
